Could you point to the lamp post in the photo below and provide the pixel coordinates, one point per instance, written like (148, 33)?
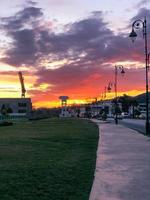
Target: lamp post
(137, 25)
(105, 92)
(110, 84)
(121, 68)
(105, 95)
(148, 62)
(122, 71)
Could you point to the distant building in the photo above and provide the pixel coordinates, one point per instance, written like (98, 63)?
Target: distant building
(142, 107)
(107, 106)
(16, 106)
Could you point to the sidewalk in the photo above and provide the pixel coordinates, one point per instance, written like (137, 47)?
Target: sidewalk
(123, 165)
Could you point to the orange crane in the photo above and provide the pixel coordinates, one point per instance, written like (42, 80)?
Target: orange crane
(23, 90)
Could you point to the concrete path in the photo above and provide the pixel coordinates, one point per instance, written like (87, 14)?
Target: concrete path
(123, 165)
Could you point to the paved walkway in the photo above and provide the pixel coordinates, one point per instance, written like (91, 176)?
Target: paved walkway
(123, 165)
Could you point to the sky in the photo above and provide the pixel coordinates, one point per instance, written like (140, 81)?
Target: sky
(70, 48)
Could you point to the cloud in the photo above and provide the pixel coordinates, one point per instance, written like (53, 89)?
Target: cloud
(90, 47)
(142, 3)
(22, 18)
(24, 50)
(89, 40)
(143, 12)
(32, 42)
(78, 82)
(29, 2)
(20, 28)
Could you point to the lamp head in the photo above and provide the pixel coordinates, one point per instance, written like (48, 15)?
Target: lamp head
(133, 35)
(109, 87)
(122, 71)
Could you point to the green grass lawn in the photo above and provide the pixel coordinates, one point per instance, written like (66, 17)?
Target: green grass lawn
(51, 159)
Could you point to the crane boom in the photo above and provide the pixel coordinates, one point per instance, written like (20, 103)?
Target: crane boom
(23, 90)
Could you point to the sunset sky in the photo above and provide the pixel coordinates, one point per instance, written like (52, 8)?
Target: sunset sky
(70, 47)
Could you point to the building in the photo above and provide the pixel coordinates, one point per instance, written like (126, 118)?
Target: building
(15, 106)
(108, 106)
(142, 108)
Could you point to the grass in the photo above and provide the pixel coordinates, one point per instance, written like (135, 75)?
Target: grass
(51, 159)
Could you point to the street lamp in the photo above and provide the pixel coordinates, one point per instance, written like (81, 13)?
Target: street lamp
(105, 92)
(121, 68)
(110, 84)
(122, 71)
(137, 25)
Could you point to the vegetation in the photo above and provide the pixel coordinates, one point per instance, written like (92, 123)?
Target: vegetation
(51, 159)
(127, 101)
(141, 98)
(5, 110)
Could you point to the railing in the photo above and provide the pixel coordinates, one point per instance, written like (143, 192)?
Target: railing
(12, 117)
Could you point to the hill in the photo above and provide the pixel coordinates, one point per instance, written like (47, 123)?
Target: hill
(141, 98)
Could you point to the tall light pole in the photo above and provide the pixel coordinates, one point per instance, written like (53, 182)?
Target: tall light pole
(148, 62)
(105, 92)
(121, 68)
(122, 71)
(137, 25)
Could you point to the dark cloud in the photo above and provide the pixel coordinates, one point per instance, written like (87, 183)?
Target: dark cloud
(143, 12)
(91, 37)
(32, 42)
(20, 28)
(23, 50)
(25, 17)
(29, 2)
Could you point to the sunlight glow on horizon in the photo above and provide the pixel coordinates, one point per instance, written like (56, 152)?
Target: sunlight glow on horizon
(57, 103)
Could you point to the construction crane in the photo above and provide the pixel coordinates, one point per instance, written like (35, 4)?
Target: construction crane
(23, 90)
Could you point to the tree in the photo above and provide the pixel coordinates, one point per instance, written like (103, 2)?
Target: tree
(134, 104)
(136, 113)
(3, 110)
(126, 102)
